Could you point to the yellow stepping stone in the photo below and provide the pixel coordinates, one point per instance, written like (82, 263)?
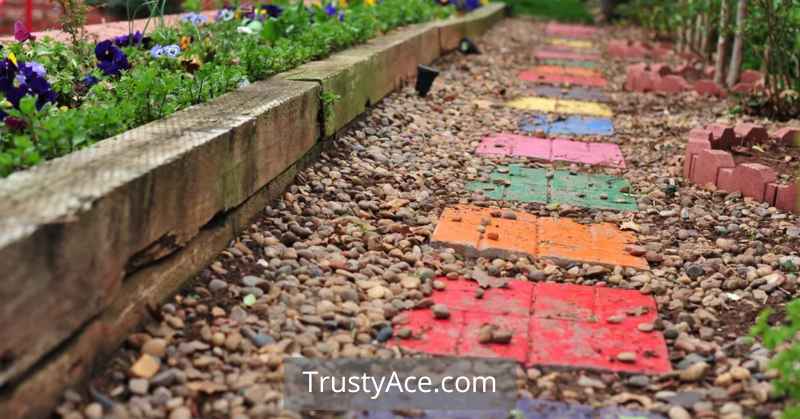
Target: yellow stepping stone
(579, 107)
(561, 106)
(571, 43)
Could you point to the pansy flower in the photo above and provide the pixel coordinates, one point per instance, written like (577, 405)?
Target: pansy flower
(195, 19)
(330, 9)
(110, 58)
(129, 39)
(27, 79)
(273, 10)
(21, 32)
(169, 51)
(224, 15)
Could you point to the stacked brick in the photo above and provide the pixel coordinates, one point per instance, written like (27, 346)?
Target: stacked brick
(630, 50)
(645, 77)
(708, 162)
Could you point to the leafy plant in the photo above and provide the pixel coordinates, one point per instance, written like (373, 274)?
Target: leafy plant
(783, 340)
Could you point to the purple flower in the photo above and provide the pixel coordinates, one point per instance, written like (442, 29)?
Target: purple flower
(110, 58)
(195, 19)
(14, 124)
(90, 81)
(21, 32)
(330, 9)
(157, 51)
(273, 10)
(26, 80)
(129, 39)
(169, 51)
(341, 16)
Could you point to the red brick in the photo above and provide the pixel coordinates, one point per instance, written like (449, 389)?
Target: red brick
(726, 181)
(787, 135)
(752, 179)
(722, 136)
(707, 87)
(786, 198)
(707, 166)
(751, 76)
(743, 88)
(695, 145)
(672, 84)
(661, 69)
(747, 134)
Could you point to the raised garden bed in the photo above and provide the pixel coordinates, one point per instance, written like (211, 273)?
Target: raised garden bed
(746, 158)
(88, 240)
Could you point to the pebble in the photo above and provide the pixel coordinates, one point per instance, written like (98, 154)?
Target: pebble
(626, 357)
(694, 372)
(145, 367)
(156, 347)
(138, 386)
(440, 311)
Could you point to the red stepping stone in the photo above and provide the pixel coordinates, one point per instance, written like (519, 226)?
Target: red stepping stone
(559, 79)
(551, 324)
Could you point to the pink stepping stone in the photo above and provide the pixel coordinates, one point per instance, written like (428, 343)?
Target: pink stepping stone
(570, 31)
(600, 154)
(557, 54)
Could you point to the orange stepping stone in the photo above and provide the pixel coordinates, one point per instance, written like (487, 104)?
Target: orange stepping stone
(460, 228)
(554, 70)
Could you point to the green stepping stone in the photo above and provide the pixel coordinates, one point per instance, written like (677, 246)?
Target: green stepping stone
(518, 183)
(514, 183)
(591, 191)
(569, 63)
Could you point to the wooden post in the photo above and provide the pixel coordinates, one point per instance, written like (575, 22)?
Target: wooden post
(736, 54)
(719, 65)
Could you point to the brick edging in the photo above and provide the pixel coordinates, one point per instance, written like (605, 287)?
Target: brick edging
(89, 239)
(707, 161)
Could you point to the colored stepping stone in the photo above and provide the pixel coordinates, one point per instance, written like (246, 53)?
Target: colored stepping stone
(519, 183)
(571, 125)
(601, 154)
(563, 239)
(571, 43)
(527, 408)
(556, 54)
(561, 106)
(564, 75)
(569, 63)
(550, 70)
(570, 31)
(551, 324)
(574, 93)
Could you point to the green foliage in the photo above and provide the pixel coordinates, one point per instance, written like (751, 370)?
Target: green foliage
(328, 99)
(216, 58)
(192, 5)
(783, 339)
(561, 10)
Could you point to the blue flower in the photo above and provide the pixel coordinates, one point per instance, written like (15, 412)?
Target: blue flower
(195, 19)
(169, 51)
(341, 16)
(224, 15)
(110, 58)
(273, 10)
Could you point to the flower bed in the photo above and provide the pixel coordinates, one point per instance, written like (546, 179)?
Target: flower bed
(714, 156)
(62, 97)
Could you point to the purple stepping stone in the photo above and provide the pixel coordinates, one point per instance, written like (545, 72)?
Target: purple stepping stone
(602, 154)
(529, 409)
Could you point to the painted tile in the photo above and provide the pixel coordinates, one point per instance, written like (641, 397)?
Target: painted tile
(601, 154)
(570, 31)
(578, 107)
(556, 54)
(563, 71)
(571, 43)
(555, 75)
(563, 239)
(561, 106)
(527, 408)
(569, 63)
(575, 93)
(564, 327)
(571, 125)
(522, 184)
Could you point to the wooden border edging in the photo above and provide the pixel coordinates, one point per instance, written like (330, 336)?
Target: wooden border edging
(89, 239)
